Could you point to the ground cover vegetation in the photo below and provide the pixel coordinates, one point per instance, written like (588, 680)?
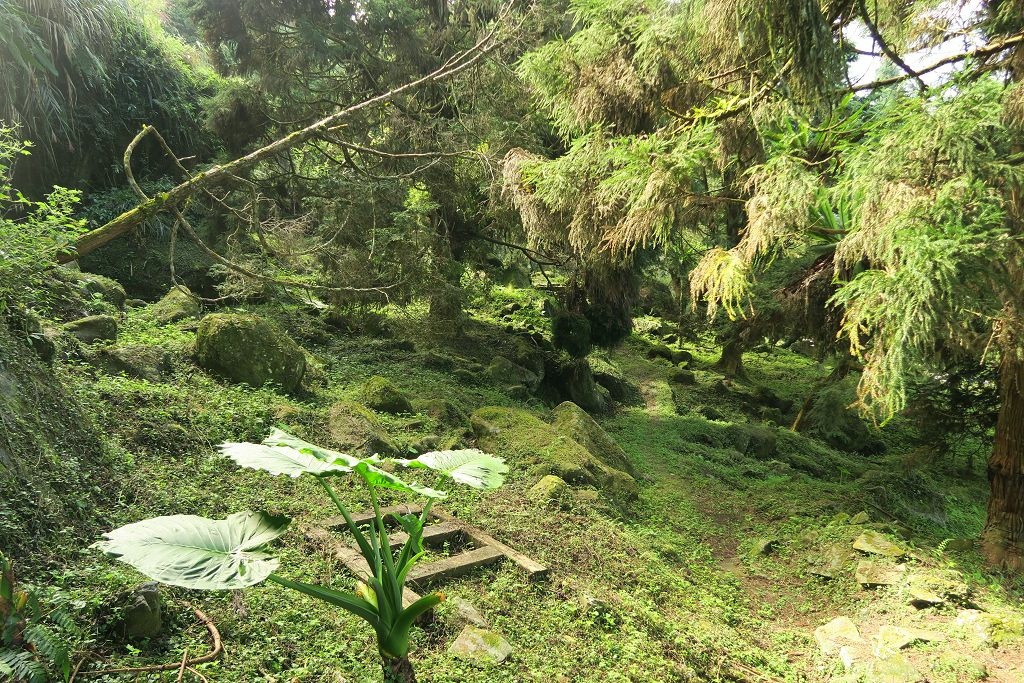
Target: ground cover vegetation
(736, 326)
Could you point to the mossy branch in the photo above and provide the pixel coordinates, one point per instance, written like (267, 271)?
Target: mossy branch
(215, 175)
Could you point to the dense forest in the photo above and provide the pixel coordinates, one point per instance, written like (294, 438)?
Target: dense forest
(503, 341)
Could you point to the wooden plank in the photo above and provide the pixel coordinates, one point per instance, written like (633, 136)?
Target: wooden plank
(453, 566)
(435, 534)
(352, 559)
(535, 570)
(361, 518)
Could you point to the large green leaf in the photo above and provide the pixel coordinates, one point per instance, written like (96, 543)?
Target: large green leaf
(196, 552)
(469, 466)
(281, 459)
(378, 477)
(279, 437)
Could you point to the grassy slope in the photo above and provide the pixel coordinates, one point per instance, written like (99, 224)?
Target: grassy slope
(684, 600)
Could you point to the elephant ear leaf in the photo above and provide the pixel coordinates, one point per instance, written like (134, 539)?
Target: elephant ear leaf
(279, 437)
(281, 459)
(469, 466)
(196, 552)
(375, 476)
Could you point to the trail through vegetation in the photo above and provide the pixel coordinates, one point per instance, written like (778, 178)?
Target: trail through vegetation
(708, 309)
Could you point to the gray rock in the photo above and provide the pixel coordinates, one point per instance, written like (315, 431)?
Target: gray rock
(765, 546)
(109, 289)
(894, 668)
(150, 363)
(177, 304)
(870, 574)
(250, 350)
(682, 376)
(505, 372)
(936, 587)
(466, 613)
(837, 633)
(143, 615)
(93, 328)
(860, 518)
(893, 638)
(875, 543)
(550, 489)
(481, 647)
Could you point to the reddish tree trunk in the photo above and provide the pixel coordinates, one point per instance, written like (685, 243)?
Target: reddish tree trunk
(1003, 538)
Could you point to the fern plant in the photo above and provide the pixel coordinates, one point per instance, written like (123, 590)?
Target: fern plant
(33, 643)
(222, 554)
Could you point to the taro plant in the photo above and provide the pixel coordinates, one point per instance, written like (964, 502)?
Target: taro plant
(220, 554)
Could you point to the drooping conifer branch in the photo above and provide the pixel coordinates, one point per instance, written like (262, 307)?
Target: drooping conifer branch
(221, 173)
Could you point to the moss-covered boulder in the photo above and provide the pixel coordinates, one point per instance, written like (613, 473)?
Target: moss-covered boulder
(108, 289)
(141, 361)
(177, 304)
(504, 372)
(380, 394)
(550, 489)
(528, 442)
(573, 421)
(249, 350)
(757, 441)
(607, 375)
(358, 431)
(447, 414)
(578, 385)
(93, 328)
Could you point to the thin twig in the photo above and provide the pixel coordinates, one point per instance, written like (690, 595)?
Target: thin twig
(218, 648)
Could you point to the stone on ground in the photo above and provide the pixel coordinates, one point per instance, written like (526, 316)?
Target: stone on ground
(895, 668)
(576, 423)
(249, 350)
(151, 363)
(177, 304)
(481, 647)
(875, 543)
(358, 431)
(109, 289)
(143, 615)
(550, 489)
(837, 633)
(93, 328)
(529, 443)
(933, 587)
(380, 394)
(892, 638)
(505, 373)
(464, 612)
(871, 573)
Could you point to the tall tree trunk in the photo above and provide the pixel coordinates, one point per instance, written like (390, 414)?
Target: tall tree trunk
(1003, 538)
(731, 362)
(397, 669)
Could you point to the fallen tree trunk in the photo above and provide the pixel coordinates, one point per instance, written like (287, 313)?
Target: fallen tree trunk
(215, 175)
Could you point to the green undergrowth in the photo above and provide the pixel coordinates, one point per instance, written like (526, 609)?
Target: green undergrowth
(664, 590)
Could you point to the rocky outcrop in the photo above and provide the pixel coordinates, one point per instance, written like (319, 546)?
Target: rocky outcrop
(249, 350)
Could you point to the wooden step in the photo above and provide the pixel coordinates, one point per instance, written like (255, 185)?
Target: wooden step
(456, 565)
(361, 518)
(535, 570)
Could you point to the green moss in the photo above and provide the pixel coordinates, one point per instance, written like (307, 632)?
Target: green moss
(249, 350)
(527, 440)
(574, 422)
(177, 304)
(380, 394)
(357, 430)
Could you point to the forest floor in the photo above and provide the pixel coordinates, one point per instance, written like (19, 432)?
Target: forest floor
(725, 568)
